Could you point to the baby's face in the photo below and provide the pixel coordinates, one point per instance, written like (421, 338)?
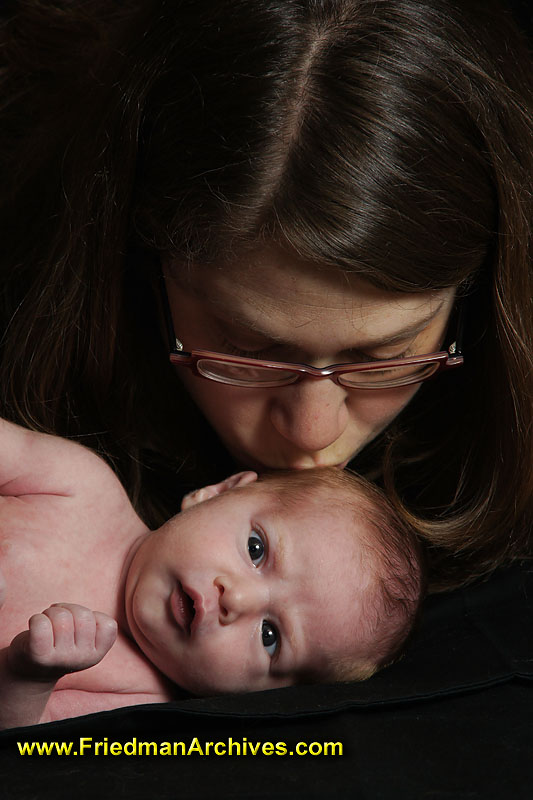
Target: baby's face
(240, 594)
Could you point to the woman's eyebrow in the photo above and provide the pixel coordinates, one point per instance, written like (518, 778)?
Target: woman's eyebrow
(405, 333)
(250, 324)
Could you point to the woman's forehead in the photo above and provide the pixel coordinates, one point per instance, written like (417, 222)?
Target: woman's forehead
(271, 292)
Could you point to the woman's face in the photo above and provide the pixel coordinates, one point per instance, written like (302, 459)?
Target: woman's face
(272, 305)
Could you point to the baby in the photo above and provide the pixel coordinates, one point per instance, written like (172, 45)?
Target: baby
(256, 584)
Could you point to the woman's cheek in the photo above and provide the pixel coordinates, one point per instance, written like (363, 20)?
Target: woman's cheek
(378, 408)
(234, 412)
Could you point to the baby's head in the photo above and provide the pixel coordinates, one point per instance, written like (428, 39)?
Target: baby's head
(386, 558)
(295, 577)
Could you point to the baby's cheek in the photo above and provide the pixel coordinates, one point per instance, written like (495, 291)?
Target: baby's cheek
(223, 666)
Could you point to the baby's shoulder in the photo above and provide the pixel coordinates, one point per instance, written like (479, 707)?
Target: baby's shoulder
(34, 463)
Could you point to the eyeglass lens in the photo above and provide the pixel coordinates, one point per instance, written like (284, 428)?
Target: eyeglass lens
(248, 375)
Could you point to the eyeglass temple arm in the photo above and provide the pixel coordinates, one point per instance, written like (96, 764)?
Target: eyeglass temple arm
(174, 343)
(461, 316)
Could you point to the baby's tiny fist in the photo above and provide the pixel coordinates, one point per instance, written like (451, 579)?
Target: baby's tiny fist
(65, 638)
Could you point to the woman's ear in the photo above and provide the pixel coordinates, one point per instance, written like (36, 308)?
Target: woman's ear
(198, 496)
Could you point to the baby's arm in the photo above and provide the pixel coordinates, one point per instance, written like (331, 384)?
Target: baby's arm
(38, 463)
(64, 638)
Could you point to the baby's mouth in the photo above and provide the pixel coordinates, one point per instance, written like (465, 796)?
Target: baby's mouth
(182, 607)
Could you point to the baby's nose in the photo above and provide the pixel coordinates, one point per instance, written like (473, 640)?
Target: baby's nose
(239, 597)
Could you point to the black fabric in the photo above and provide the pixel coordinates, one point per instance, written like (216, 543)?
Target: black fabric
(453, 719)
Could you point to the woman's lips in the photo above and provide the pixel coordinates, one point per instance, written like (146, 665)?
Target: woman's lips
(182, 608)
(295, 465)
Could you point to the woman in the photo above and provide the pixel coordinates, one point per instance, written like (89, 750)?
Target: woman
(317, 182)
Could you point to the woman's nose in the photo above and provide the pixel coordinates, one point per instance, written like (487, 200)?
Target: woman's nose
(311, 414)
(239, 597)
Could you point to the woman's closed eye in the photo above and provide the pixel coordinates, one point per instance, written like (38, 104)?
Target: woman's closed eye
(272, 353)
(233, 350)
(359, 357)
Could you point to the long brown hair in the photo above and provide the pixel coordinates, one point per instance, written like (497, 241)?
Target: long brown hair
(390, 138)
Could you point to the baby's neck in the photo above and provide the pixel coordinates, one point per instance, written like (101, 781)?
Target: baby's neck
(131, 550)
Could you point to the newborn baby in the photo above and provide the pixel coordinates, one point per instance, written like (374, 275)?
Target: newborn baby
(256, 584)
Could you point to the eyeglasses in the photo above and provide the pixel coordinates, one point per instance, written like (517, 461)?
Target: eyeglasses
(258, 373)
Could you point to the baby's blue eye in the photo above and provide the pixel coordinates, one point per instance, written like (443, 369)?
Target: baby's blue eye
(256, 548)
(270, 637)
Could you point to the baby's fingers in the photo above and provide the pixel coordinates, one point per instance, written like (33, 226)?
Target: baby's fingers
(63, 625)
(39, 641)
(32, 648)
(87, 630)
(106, 632)
(66, 637)
(32, 652)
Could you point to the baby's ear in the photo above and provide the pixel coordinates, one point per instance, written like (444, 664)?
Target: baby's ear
(198, 496)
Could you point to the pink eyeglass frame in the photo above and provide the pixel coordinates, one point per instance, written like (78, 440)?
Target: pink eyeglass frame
(190, 359)
(445, 359)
